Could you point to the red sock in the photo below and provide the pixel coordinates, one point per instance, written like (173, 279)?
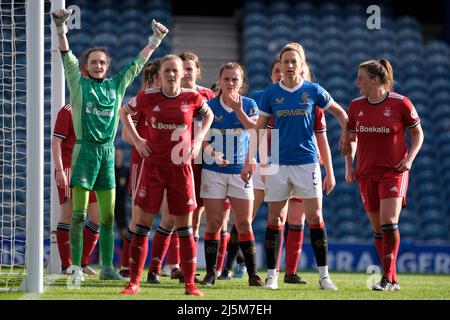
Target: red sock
(397, 246)
(188, 255)
(224, 237)
(391, 241)
(173, 254)
(138, 254)
(378, 240)
(62, 238)
(125, 258)
(160, 244)
(294, 241)
(90, 238)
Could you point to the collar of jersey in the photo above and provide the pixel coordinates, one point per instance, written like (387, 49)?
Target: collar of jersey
(171, 97)
(97, 80)
(282, 86)
(222, 103)
(378, 102)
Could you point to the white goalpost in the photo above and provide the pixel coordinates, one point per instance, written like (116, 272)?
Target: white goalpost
(27, 191)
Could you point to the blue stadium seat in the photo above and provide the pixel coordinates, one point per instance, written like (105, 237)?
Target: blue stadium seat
(431, 201)
(436, 46)
(107, 14)
(348, 213)
(441, 98)
(330, 8)
(432, 215)
(331, 20)
(383, 34)
(407, 22)
(348, 229)
(356, 21)
(333, 54)
(255, 18)
(435, 232)
(304, 8)
(106, 39)
(254, 6)
(414, 84)
(156, 5)
(355, 8)
(280, 31)
(357, 34)
(437, 60)
(408, 34)
(133, 15)
(255, 31)
(306, 32)
(257, 56)
(409, 230)
(439, 71)
(408, 216)
(280, 7)
(332, 32)
(305, 19)
(107, 26)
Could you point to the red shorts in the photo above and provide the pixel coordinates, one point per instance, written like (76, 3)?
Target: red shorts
(135, 172)
(385, 186)
(66, 193)
(179, 182)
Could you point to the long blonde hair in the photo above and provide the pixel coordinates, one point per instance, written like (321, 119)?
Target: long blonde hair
(294, 46)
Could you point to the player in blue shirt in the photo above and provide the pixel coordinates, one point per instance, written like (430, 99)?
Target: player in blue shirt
(224, 158)
(295, 169)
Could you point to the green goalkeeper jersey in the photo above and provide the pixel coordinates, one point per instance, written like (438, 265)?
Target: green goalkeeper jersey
(95, 104)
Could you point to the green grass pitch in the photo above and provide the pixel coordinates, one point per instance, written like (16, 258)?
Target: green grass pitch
(352, 286)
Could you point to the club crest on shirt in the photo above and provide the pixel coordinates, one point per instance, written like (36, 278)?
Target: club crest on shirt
(387, 112)
(305, 99)
(279, 100)
(142, 193)
(184, 107)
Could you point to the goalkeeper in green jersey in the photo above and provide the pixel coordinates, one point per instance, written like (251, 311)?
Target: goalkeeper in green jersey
(95, 103)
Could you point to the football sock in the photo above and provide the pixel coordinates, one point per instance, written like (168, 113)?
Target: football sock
(248, 248)
(138, 252)
(160, 244)
(294, 241)
(319, 243)
(272, 243)
(62, 239)
(90, 238)
(211, 250)
(173, 253)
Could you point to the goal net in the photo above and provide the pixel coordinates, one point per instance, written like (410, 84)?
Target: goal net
(14, 123)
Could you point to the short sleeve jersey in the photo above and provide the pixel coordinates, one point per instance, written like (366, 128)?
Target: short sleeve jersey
(170, 123)
(380, 129)
(294, 115)
(141, 124)
(64, 130)
(229, 136)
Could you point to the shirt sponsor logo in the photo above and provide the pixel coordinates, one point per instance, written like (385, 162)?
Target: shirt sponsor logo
(167, 126)
(373, 129)
(290, 113)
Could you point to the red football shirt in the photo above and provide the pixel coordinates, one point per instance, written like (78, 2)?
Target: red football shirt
(170, 123)
(141, 123)
(208, 94)
(380, 129)
(64, 130)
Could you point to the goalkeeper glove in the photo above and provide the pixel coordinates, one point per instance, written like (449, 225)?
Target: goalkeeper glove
(159, 32)
(60, 18)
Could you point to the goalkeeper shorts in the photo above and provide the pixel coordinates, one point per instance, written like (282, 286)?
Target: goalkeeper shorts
(93, 166)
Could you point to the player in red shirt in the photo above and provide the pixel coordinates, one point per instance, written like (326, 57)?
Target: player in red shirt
(165, 240)
(378, 121)
(63, 141)
(150, 79)
(168, 150)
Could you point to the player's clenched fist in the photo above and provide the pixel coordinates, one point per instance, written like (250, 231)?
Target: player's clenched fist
(159, 32)
(60, 18)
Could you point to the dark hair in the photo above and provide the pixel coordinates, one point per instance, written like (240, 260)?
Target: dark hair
(382, 69)
(230, 66)
(188, 55)
(215, 86)
(86, 53)
(150, 70)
